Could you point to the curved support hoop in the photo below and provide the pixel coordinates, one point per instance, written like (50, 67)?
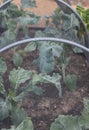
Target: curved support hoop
(44, 39)
(61, 3)
(5, 4)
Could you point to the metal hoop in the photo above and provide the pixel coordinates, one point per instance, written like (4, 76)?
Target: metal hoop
(44, 39)
(60, 3)
(5, 4)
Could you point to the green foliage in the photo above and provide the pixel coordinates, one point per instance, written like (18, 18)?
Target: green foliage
(28, 3)
(77, 50)
(5, 107)
(19, 76)
(47, 53)
(17, 59)
(70, 81)
(18, 115)
(66, 25)
(65, 123)
(55, 79)
(3, 66)
(37, 90)
(8, 37)
(31, 47)
(84, 13)
(44, 78)
(69, 122)
(25, 125)
(9, 106)
(2, 89)
(13, 11)
(46, 59)
(27, 20)
(84, 119)
(12, 19)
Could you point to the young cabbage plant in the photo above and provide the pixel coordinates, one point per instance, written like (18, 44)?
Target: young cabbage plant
(21, 83)
(8, 106)
(49, 52)
(13, 19)
(18, 56)
(70, 80)
(67, 26)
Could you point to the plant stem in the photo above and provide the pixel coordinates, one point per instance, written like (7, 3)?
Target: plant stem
(63, 71)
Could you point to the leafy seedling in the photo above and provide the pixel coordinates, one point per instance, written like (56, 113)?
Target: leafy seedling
(71, 81)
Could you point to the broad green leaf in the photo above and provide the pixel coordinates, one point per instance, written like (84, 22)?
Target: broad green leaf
(57, 50)
(4, 109)
(66, 61)
(54, 79)
(84, 122)
(46, 59)
(26, 125)
(31, 87)
(74, 20)
(18, 76)
(9, 36)
(69, 122)
(37, 90)
(71, 81)
(86, 106)
(17, 59)
(3, 66)
(21, 96)
(40, 34)
(30, 47)
(84, 119)
(18, 115)
(36, 78)
(77, 50)
(66, 123)
(47, 52)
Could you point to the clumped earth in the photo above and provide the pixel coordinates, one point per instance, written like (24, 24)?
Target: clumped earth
(45, 108)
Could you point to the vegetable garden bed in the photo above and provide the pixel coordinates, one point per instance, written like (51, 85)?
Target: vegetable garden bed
(41, 81)
(45, 108)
